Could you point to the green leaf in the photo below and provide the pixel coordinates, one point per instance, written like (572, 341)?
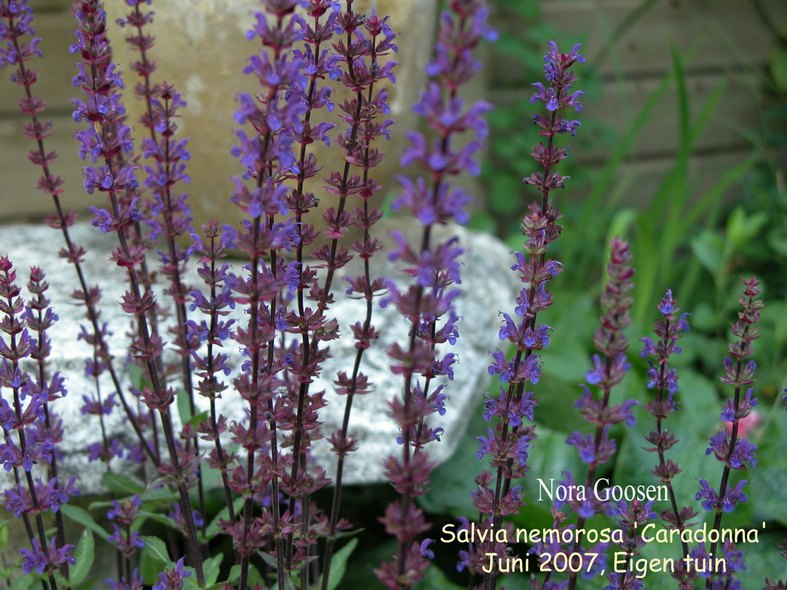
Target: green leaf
(708, 247)
(198, 418)
(339, 564)
(23, 583)
(234, 575)
(155, 516)
(156, 548)
(741, 229)
(184, 406)
(211, 568)
(435, 579)
(158, 494)
(122, 484)
(779, 68)
(136, 376)
(83, 517)
(84, 554)
(3, 534)
(778, 242)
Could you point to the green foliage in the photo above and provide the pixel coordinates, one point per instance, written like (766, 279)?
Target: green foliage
(82, 517)
(339, 564)
(84, 554)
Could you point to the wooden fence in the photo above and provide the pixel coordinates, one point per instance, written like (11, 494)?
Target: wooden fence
(722, 42)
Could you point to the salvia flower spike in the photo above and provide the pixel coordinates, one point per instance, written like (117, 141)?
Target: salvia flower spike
(15, 25)
(428, 303)
(31, 430)
(105, 137)
(363, 55)
(663, 379)
(268, 158)
(731, 448)
(507, 444)
(609, 367)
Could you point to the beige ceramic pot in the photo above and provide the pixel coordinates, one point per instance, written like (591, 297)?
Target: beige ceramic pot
(201, 48)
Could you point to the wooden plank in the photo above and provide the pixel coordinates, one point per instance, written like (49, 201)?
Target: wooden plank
(620, 102)
(730, 32)
(19, 197)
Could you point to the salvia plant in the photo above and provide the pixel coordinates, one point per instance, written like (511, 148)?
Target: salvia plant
(267, 286)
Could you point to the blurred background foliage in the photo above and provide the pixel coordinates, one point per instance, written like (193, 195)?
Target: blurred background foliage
(682, 151)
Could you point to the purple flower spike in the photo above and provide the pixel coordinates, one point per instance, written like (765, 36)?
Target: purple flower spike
(664, 381)
(427, 303)
(172, 579)
(728, 445)
(609, 368)
(31, 428)
(507, 444)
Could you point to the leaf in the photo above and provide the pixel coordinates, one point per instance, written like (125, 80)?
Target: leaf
(156, 548)
(3, 535)
(83, 517)
(339, 564)
(741, 229)
(184, 406)
(435, 579)
(155, 516)
(708, 247)
(211, 568)
(779, 68)
(135, 375)
(158, 495)
(23, 583)
(84, 554)
(198, 418)
(122, 484)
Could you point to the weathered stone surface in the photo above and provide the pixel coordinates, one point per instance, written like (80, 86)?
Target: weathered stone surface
(488, 286)
(201, 48)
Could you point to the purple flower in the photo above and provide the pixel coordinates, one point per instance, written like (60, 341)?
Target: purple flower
(172, 579)
(49, 559)
(126, 512)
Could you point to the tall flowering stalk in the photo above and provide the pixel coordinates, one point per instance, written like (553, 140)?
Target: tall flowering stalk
(39, 317)
(428, 303)
(31, 431)
(170, 217)
(731, 448)
(609, 368)
(101, 142)
(368, 41)
(664, 380)
(213, 331)
(169, 214)
(15, 25)
(507, 444)
(268, 158)
(142, 42)
(308, 324)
